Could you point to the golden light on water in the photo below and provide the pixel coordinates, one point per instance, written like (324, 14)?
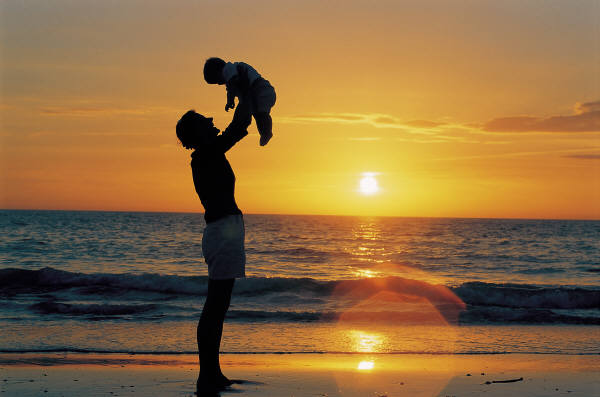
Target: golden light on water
(366, 365)
(368, 184)
(366, 273)
(366, 342)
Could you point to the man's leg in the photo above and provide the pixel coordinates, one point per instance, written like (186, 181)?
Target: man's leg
(210, 330)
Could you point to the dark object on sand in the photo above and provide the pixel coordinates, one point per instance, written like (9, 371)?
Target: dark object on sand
(504, 381)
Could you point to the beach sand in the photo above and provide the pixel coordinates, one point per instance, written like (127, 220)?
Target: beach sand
(279, 375)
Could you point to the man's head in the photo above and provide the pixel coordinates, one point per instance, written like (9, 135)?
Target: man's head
(213, 71)
(193, 129)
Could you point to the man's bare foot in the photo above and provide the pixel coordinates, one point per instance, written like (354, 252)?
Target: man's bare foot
(207, 389)
(213, 384)
(223, 381)
(210, 387)
(265, 138)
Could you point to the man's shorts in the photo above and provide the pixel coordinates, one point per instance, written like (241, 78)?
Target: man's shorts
(223, 248)
(262, 96)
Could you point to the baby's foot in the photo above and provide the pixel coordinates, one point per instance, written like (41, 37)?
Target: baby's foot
(265, 138)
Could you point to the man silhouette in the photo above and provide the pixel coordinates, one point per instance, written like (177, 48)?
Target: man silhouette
(223, 237)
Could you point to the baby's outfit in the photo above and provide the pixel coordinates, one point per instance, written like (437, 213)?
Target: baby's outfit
(250, 86)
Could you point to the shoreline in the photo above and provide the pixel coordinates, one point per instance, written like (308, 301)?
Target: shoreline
(307, 374)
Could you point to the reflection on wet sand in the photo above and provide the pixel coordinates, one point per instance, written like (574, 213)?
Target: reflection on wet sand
(365, 365)
(411, 306)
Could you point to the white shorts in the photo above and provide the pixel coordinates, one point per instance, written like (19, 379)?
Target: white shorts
(223, 248)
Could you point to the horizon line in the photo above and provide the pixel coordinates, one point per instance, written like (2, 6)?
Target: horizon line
(285, 214)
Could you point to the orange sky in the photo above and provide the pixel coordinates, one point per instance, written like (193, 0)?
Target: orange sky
(460, 108)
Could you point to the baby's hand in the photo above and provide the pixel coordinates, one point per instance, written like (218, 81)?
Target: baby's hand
(230, 105)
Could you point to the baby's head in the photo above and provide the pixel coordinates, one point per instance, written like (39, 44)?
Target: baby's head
(213, 71)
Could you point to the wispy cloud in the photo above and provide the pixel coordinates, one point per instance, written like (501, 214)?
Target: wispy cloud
(365, 139)
(376, 120)
(515, 154)
(584, 156)
(100, 110)
(587, 107)
(585, 119)
(439, 138)
(87, 111)
(423, 123)
(414, 131)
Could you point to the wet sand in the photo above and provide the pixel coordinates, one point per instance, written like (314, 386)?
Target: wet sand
(278, 375)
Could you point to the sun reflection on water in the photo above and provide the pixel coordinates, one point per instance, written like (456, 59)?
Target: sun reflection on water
(366, 273)
(366, 342)
(368, 248)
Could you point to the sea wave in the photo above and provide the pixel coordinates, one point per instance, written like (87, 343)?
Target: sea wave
(471, 316)
(55, 292)
(14, 281)
(528, 296)
(50, 307)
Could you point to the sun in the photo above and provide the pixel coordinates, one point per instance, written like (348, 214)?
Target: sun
(368, 184)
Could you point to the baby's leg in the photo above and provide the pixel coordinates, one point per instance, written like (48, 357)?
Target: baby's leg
(264, 124)
(263, 99)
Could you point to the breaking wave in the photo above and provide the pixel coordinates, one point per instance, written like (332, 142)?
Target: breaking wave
(158, 296)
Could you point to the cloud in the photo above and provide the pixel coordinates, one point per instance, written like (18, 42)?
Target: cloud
(584, 156)
(85, 111)
(523, 154)
(365, 139)
(413, 131)
(587, 107)
(423, 124)
(417, 140)
(586, 119)
(100, 110)
(376, 120)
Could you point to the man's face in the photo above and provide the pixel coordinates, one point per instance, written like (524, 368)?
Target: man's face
(205, 129)
(205, 125)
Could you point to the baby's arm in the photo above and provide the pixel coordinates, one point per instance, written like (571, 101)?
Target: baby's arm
(233, 89)
(230, 98)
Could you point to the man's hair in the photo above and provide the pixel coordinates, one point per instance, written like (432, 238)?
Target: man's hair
(213, 68)
(184, 125)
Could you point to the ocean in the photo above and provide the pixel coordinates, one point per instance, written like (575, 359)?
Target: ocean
(128, 282)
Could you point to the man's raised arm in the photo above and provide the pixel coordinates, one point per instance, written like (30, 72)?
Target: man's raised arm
(237, 129)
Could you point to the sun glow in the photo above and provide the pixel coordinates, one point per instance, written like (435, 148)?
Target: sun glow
(368, 184)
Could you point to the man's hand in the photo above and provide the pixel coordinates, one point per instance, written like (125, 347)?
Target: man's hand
(230, 105)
